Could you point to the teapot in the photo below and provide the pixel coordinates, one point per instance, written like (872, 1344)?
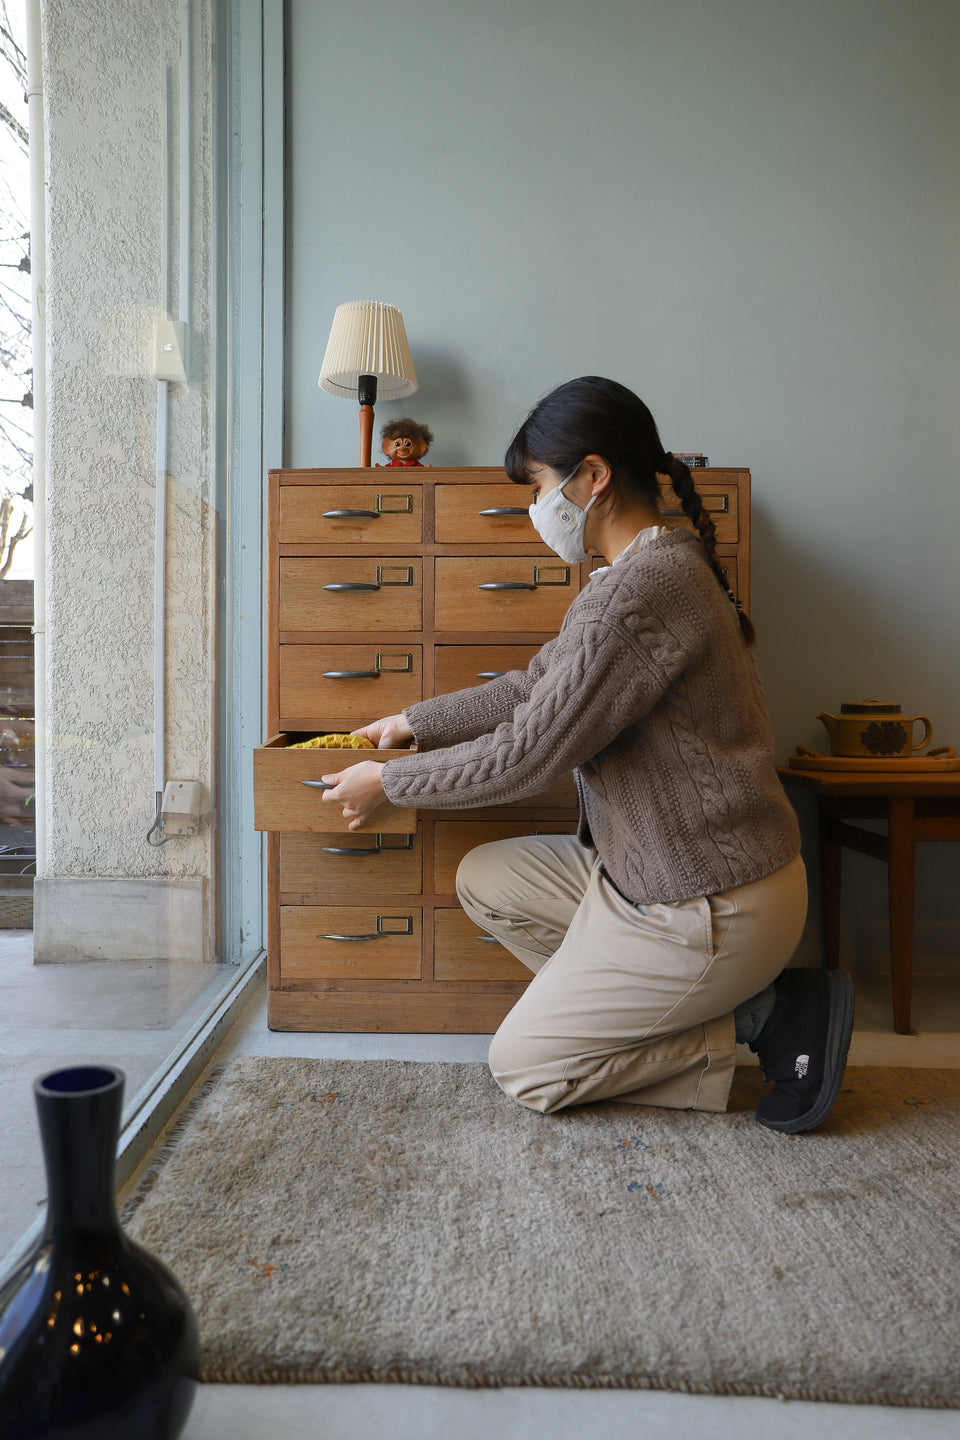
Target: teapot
(874, 728)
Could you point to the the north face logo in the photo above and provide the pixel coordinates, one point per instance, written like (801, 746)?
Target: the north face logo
(802, 1066)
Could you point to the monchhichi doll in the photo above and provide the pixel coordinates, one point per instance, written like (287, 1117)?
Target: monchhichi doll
(405, 442)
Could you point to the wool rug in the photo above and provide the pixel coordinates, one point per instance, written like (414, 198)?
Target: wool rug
(377, 1220)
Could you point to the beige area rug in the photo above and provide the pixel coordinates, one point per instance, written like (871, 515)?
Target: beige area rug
(387, 1221)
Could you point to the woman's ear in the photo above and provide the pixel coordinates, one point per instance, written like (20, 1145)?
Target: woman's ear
(600, 474)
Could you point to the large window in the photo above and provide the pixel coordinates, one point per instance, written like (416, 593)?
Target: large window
(146, 904)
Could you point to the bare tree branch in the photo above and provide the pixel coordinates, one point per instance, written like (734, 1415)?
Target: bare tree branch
(13, 124)
(16, 437)
(8, 541)
(13, 52)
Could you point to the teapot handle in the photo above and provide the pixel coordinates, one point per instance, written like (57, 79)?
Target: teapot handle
(927, 732)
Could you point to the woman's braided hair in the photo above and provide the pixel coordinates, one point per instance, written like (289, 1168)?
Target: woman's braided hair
(595, 416)
(693, 507)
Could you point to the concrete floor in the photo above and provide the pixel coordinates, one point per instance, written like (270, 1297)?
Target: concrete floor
(129, 1014)
(419, 1412)
(55, 1015)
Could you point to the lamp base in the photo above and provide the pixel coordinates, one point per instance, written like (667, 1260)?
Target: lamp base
(367, 395)
(366, 435)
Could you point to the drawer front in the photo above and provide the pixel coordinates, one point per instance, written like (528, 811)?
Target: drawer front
(484, 512)
(352, 864)
(530, 592)
(462, 951)
(719, 499)
(458, 667)
(347, 684)
(353, 514)
(454, 839)
(730, 564)
(330, 593)
(346, 942)
(286, 793)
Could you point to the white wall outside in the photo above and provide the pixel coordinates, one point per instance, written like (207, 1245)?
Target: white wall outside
(105, 73)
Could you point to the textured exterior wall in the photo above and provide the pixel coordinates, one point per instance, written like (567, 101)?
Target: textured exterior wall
(105, 77)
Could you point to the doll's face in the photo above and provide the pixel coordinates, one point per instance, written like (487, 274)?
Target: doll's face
(402, 447)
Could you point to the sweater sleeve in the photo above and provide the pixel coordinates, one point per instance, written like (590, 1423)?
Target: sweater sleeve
(465, 714)
(598, 676)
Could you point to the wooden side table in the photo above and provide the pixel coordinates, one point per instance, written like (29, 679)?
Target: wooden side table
(916, 807)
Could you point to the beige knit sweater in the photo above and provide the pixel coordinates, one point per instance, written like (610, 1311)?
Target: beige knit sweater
(649, 693)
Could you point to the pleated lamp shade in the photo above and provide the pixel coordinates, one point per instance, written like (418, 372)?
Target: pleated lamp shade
(368, 338)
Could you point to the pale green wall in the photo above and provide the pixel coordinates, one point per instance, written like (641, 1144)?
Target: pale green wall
(748, 211)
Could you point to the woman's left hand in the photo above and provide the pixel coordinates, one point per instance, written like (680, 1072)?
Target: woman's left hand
(359, 790)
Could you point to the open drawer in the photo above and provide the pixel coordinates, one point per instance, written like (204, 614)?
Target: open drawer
(287, 789)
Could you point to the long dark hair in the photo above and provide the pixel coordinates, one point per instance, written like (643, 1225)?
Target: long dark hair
(594, 416)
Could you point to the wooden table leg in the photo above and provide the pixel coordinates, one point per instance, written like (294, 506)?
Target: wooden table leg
(901, 880)
(830, 881)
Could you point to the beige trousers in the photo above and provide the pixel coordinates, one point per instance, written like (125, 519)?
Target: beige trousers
(628, 1001)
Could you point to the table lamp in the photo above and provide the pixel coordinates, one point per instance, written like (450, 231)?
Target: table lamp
(367, 353)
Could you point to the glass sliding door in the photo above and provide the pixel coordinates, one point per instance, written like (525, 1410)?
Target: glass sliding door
(147, 900)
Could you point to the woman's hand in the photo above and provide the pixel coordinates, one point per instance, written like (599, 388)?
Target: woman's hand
(358, 789)
(390, 733)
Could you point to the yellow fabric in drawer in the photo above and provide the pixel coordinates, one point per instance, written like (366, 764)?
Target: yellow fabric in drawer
(334, 742)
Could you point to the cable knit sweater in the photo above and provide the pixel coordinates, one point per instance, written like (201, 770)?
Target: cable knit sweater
(649, 693)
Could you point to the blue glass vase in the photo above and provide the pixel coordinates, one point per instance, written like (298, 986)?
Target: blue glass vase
(97, 1339)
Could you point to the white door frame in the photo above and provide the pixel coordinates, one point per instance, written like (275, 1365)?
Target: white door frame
(253, 290)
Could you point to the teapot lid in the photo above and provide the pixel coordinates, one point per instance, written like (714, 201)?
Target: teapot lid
(869, 707)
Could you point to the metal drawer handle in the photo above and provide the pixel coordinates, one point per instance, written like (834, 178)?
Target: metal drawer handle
(405, 508)
(490, 674)
(489, 939)
(351, 515)
(540, 572)
(405, 570)
(317, 784)
(405, 656)
(505, 510)
(367, 849)
(716, 504)
(508, 585)
(380, 932)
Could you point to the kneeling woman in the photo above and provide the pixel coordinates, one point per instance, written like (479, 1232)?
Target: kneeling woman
(659, 934)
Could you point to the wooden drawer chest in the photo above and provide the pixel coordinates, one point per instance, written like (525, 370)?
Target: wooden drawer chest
(385, 587)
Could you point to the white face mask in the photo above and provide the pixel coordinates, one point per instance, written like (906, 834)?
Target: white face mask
(560, 523)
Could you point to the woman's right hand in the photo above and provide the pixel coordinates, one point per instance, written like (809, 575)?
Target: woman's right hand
(390, 733)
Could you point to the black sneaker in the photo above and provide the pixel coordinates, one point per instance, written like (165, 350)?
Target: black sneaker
(803, 1048)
